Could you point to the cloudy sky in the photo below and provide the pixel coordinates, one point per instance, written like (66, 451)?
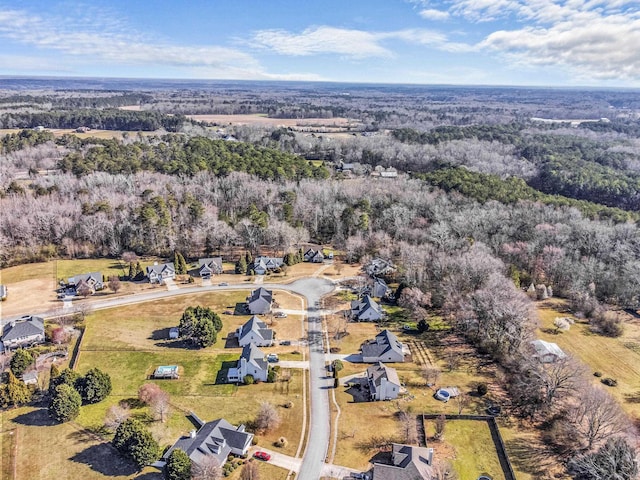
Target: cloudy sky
(498, 42)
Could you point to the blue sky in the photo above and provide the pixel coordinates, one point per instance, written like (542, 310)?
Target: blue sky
(496, 42)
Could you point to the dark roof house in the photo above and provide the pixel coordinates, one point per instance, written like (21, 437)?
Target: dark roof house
(215, 440)
(29, 330)
(92, 280)
(251, 362)
(160, 273)
(313, 256)
(366, 310)
(259, 302)
(210, 266)
(379, 288)
(255, 331)
(262, 265)
(407, 463)
(384, 348)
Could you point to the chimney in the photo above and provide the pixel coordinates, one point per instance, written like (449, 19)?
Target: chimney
(192, 434)
(155, 263)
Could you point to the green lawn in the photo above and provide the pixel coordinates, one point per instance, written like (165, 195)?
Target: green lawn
(474, 452)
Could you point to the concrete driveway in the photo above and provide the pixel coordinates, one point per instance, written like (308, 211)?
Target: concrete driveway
(293, 364)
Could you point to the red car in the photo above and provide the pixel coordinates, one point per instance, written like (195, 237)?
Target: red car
(262, 456)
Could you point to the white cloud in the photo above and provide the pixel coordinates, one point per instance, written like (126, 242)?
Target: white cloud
(108, 41)
(322, 40)
(347, 42)
(433, 14)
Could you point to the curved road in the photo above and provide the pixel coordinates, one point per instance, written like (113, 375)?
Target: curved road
(313, 289)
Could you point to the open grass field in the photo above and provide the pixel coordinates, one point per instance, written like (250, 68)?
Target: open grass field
(617, 358)
(129, 343)
(262, 119)
(7, 450)
(469, 445)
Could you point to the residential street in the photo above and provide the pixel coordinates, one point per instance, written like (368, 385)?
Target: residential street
(313, 289)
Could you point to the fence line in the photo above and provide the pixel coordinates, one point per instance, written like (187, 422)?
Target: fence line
(501, 451)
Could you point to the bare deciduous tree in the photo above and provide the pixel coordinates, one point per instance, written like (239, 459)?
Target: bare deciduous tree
(116, 414)
(160, 406)
(408, 427)
(430, 374)
(462, 401)
(596, 417)
(440, 425)
(207, 468)
(114, 283)
(267, 418)
(250, 471)
(442, 470)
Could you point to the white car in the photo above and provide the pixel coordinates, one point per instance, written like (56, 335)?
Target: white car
(280, 315)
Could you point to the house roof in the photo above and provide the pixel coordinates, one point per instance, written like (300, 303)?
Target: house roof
(26, 327)
(255, 356)
(543, 348)
(407, 463)
(379, 371)
(213, 263)
(85, 277)
(383, 342)
(379, 266)
(268, 263)
(215, 439)
(158, 269)
(260, 296)
(359, 307)
(254, 324)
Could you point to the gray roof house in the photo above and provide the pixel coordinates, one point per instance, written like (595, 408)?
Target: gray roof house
(313, 256)
(366, 310)
(215, 440)
(92, 280)
(210, 266)
(407, 463)
(384, 348)
(384, 383)
(255, 331)
(251, 362)
(262, 265)
(379, 266)
(29, 330)
(259, 302)
(547, 352)
(379, 288)
(159, 273)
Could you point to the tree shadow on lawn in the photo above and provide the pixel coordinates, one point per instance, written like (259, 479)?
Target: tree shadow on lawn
(182, 344)
(160, 334)
(36, 418)
(102, 458)
(531, 457)
(150, 476)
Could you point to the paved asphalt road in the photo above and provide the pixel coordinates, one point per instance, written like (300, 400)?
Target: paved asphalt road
(313, 289)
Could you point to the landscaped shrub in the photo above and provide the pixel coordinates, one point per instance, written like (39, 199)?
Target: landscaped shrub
(610, 382)
(281, 442)
(482, 389)
(289, 404)
(597, 374)
(248, 380)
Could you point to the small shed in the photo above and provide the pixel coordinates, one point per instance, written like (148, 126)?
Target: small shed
(547, 352)
(174, 333)
(166, 371)
(30, 378)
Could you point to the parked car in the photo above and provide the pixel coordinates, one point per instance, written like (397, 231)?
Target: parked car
(262, 456)
(223, 284)
(280, 315)
(272, 357)
(285, 342)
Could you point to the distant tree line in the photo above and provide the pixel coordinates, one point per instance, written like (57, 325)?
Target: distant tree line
(106, 119)
(177, 155)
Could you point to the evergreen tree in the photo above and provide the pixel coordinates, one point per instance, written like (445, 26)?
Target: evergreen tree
(178, 465)
(20, 361)
(132, 271)
(139, 271)
(179, 263)
(134, 441)
(95, 386)
(65, 403)
(65, 377)
(248, 258)
(241, 265)
(200, 325)
(14, 392)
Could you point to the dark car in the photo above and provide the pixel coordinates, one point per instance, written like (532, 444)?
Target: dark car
(262, 456)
